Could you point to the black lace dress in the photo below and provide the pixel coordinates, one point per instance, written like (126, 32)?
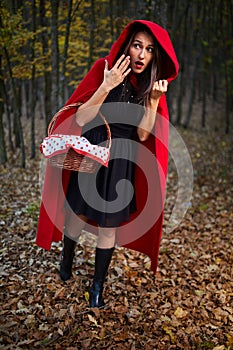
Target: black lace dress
(107, 197)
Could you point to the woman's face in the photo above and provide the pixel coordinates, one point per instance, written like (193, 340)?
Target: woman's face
(141, 52)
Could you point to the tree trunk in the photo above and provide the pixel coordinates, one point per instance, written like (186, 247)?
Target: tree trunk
(33, 90)
(55, 57)
(3, 155)
(203, 113)
(66, 46)
(111, 19)
(17, 110)
(92, 34)
(8, 114)
(27, 97)
(149, 10)
(228, 68)
(228, 100)
(47, 74)
(160, 13)
(183, 68)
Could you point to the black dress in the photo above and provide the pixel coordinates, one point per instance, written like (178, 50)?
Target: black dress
(107, 197)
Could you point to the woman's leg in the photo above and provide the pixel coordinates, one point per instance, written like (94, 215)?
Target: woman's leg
(74, 225)
(107, 237)
(103, 256)
(73, 228)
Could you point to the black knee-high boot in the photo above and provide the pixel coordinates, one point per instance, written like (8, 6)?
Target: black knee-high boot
(67, 258)
(102, 260)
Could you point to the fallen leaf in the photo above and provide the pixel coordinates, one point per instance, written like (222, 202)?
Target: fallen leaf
(180, 313)
(169, 332)
(93, 320)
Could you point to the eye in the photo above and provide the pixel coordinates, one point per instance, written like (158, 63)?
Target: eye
(136, 46)
(150, 49)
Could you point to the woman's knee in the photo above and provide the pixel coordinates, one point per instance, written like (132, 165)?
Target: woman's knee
(74, 224)
(108, 233)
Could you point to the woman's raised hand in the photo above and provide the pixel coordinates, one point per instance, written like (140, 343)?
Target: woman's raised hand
(117, 74)
(159, 88)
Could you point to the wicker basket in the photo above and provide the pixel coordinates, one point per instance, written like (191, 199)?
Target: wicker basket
(71, 160)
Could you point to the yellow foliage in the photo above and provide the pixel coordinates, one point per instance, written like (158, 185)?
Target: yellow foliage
(86, 23)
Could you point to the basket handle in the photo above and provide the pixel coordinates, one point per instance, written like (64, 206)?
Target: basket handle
(109, 139)
(77, 104)
(54, 119)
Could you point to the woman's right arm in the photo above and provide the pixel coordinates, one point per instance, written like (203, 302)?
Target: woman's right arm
(112, 78)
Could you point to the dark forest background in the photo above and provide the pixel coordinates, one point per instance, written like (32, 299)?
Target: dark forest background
(47, 46)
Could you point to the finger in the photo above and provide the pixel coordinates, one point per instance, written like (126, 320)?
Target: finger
(124, 64)
(160, 86)
(119, 61)
(164, 85)
(126, 72)
(164, 82)
(106, 65)
(156, 86)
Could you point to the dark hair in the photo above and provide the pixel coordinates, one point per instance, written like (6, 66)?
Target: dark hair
(152, 72)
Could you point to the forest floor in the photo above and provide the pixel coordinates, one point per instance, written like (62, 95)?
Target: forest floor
(187, 305)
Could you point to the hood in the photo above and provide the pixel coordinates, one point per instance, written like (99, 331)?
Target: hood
(170, 64)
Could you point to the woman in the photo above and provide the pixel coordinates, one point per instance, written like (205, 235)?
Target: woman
(137, 71)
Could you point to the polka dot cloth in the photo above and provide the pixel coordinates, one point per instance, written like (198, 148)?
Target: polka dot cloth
(57, 144)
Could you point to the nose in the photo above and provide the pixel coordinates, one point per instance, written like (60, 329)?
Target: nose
(142, 53)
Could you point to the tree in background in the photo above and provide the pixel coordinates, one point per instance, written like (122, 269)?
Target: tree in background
(47, 46)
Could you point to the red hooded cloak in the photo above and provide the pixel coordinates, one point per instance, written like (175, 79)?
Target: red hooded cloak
(143, 232)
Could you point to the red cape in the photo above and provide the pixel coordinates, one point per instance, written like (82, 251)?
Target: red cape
(143, 232)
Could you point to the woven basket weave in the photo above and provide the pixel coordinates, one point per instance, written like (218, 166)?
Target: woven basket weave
(71, 160)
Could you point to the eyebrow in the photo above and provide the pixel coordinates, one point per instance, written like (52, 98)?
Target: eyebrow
(142, 42)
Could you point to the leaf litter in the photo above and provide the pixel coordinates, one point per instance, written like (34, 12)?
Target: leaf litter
(187, 305)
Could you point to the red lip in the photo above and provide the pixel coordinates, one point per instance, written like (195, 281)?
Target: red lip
(139, 64)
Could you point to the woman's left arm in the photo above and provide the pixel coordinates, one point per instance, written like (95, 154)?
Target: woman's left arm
(148, 120)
